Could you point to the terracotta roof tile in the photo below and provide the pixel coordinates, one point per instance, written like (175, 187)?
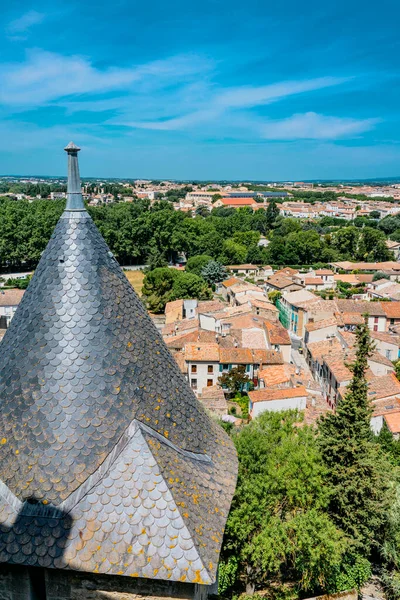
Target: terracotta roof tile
(313, 281)
(231, 281)
(389, 338)
(360, 307)
(174, 305)
(205, 306)
(245, 266)
(390, 309)
(253, 338)
(324, 272)
(200, 352)
(393, 422)
(238, 201)
(286, 271)
(235, 356)
(320, 349)
(180, 326)
(276, 374)
(11, 297)
(266, 395)
(382, 407)
(267, 357)
(316, 325)
(198, 335)
(265, 304)
(383, 386)
(349, 319)
(279, 281)
(276, 333)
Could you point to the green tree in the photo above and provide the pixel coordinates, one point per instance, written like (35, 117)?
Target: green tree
(213, 272)
(163, 285)
(246, 238)
(357, 471)
(272, 213)
(346, 241)
(236, 380)
(380, 275)
(157, 288)
(189, 285)
(373, 242)
(196, 264)
(233, 253)
(156, 258)
(375, 214)
(278, 533)
(274, 296)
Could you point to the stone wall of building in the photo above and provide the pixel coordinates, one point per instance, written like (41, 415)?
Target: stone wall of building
(24, 583)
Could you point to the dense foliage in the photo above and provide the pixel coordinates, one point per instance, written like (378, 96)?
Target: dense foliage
(316, 509)
(278, 533)
(163, 285)
(139, 233)
(358, 472)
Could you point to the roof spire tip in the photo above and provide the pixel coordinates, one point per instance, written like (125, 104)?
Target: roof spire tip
(71, 147)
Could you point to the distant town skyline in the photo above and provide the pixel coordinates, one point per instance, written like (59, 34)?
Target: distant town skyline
(203, 91)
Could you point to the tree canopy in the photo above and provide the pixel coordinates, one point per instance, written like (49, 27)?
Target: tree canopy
(278, 532)
(163, 285)
(358, 472)
(139, 232)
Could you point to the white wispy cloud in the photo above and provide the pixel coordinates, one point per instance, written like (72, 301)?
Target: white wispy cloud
(174, 94)
(232, 100)
(47, 76)
(315, 126)
(22, 25)
(246, 97)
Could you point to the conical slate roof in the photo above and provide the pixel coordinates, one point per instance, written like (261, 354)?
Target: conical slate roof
(108, 463)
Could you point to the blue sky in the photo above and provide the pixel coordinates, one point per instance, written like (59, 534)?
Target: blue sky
(210, 89)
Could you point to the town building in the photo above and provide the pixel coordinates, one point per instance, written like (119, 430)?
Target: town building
(277, 400)
(237, 203)
(9, 302)
(248, 270)
(281, 283)
(394, 247)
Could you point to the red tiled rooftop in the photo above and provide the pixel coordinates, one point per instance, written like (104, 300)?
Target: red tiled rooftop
(266, 395)
(11, 297)
(391, 309)
(393, 421)
(201, 352)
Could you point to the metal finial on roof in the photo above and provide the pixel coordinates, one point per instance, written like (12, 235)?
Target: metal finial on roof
(71, 147)
(74, 194)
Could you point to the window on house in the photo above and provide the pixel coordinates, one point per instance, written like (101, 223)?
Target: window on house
(209, 382)
(392, 321)
(375, 327)
(194, 369)
(376, 320)
(388, 354)
(193, 384)
(210, 369)
(225, 367)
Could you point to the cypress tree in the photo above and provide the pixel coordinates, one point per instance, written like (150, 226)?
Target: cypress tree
(358, 472)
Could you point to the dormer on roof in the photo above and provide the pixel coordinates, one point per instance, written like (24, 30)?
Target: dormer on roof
(108, 462)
